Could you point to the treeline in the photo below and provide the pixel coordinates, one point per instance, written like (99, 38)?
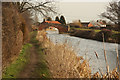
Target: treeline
(61, 19)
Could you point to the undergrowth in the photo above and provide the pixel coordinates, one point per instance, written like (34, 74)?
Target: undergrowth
(13, 69)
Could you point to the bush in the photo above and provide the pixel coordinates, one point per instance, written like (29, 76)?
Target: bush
(15, 32)
(84, 34)
(107, 34)
(112, 27)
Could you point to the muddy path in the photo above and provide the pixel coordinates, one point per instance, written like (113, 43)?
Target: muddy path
(29, 69)
(36, 66)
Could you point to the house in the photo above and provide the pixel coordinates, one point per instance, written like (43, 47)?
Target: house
(90, 25)
(98, 24)
(56, 24)
(76, 24)
(85, 24)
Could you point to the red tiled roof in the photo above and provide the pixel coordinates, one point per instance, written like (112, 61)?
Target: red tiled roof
(55, 22)
(90, 25)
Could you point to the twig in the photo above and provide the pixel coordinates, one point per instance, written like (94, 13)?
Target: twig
(96, 55)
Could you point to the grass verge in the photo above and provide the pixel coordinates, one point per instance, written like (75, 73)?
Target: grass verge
(13, 69)
(96, 30)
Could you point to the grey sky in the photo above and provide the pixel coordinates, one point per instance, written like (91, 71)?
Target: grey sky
(85, 11)
(85, 0)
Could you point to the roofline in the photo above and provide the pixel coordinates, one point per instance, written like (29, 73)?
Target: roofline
(85, 22)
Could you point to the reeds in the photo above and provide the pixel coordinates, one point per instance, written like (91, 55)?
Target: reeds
(63, 62)
(107, 66)
(110, 74)
(117, 60)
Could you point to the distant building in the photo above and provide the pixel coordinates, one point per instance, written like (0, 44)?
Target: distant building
(85, 24)
(76, 24)
(90, 25)
(98, 24)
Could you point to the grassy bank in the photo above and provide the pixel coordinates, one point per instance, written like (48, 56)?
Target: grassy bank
(95, 34)
(96, 30)
(13, 69)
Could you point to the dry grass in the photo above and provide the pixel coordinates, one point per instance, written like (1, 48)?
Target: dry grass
(63, 62)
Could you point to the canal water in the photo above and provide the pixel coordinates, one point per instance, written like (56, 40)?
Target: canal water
(87, 49)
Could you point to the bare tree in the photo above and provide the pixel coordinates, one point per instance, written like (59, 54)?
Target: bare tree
(113, 12)
(44, 7)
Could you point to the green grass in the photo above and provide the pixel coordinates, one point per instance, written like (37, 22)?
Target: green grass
(87, 29)
(115, 32)
(13, 69)
(96, 30)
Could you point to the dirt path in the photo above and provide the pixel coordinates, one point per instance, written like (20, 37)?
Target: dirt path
(36, 67)
(29, 69)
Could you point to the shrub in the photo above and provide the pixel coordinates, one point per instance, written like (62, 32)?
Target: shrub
(84, 34)
(107, 34)
(14, 32)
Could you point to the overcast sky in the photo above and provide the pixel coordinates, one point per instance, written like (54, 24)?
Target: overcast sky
(84, 10)
(84, 0)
